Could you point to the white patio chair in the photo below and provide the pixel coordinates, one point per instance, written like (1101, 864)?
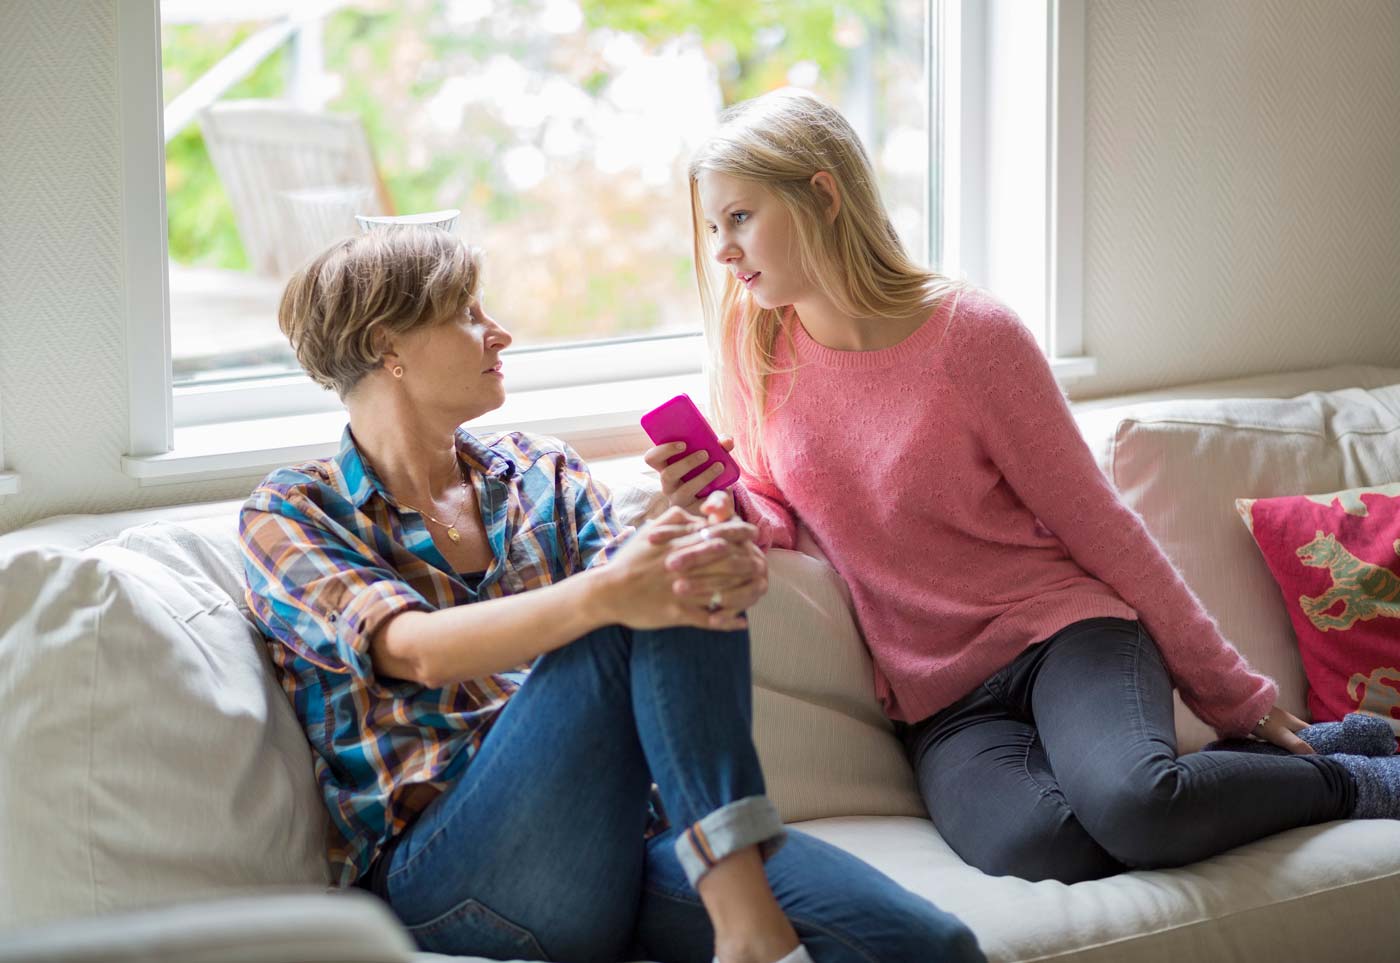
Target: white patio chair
(295, 177)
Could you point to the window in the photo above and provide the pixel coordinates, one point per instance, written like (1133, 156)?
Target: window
(559, 128)
(553, 125)
(1011, 84)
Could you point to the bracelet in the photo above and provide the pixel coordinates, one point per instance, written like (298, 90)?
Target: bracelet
(1263, 720)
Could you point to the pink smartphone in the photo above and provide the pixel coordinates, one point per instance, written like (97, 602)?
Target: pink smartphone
(679, 420)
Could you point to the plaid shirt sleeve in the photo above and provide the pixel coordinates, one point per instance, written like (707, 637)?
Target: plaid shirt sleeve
(315, 585)
(586, 502)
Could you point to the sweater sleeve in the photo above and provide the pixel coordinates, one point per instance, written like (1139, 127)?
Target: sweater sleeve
(757, 497)
(1027, 430)
(762, 505)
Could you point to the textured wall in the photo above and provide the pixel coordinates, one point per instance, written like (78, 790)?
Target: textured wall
(1242, 172)
(62, 326)
(1243, 215)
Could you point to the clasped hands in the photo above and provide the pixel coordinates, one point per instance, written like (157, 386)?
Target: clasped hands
(686, 569)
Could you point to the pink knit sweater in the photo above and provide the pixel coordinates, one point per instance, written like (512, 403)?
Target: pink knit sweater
(946, 481)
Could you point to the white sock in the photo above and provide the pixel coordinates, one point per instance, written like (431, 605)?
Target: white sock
(799, 955)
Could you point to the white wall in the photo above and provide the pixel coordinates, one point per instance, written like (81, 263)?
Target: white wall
(1243, 215)
(63, 386)
(1242, 188)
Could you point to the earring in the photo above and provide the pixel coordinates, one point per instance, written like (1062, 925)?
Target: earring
(397, 371)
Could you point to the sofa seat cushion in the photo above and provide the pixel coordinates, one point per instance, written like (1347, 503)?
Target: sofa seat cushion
(1318, 893)
(275, 925)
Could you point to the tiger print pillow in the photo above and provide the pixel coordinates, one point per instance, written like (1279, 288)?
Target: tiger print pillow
(1336, 557)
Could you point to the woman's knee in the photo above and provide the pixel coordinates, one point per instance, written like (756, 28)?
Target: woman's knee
(1135, 822)
(905, 930)
(936, 935)
(1072, 858)
(1049, 848)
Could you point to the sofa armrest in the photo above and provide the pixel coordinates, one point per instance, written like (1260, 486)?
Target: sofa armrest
(273, 926)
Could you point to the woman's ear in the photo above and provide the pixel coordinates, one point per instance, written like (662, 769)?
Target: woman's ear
(384, 347)
(826, 184)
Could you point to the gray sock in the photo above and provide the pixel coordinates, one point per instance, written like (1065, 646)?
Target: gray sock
(1377, 785)
(1358, 734)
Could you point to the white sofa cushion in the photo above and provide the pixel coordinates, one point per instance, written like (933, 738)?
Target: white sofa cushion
(270, 926)
(147, 755)
(1182, 464)
(1322, 892)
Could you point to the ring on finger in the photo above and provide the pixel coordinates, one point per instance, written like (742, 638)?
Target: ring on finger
(716, 601)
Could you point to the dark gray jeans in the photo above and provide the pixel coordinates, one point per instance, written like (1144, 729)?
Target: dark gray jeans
(1063, 766)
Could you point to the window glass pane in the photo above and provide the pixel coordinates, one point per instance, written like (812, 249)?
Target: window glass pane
(559, 128)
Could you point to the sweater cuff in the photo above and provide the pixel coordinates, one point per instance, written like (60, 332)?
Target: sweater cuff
(1241, 722)
(746, 509)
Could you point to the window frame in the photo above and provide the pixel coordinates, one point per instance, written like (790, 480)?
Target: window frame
(146, 283)
(969, 182)
(174, 432)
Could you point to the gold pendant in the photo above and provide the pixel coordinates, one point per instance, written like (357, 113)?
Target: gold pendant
(452, 534)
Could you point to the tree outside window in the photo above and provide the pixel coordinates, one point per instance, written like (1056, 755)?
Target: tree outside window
(560, 128)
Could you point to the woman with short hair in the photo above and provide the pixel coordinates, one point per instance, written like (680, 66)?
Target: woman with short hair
(492, 670)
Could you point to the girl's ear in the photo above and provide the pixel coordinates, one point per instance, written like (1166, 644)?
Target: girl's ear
(826, 184)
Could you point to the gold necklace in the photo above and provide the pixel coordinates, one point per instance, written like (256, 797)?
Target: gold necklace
(452, 532)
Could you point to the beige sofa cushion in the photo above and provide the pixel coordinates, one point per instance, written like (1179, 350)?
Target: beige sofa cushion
(826, 746)
(1182, 464)
(147, 755)
(1325, 892)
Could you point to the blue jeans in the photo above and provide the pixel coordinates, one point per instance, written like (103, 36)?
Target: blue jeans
(539, 853)
(1063, 766)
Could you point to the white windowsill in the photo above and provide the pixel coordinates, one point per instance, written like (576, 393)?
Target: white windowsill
(581, 414)
(578, 414)
(9, 483)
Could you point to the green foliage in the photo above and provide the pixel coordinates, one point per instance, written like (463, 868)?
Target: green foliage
(753, 42)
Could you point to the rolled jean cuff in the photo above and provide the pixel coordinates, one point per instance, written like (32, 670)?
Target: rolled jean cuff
(746, 822)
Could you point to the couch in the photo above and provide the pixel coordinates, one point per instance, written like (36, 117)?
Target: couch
(156, 798)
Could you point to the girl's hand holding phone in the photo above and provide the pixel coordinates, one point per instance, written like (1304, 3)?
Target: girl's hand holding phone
(678, 491)
(692, 460)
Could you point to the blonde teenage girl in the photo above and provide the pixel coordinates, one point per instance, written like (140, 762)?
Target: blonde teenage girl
(1026, 629)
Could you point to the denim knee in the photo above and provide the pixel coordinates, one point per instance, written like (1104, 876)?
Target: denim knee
(924, 937)
(1054, 846)
(1064, 859)
(895, 926)
(1134, 823)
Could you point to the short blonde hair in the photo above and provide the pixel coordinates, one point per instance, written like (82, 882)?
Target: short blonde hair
(339, 309)
(779, 141)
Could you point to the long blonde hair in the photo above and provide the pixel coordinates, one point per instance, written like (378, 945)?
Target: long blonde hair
(780, 140)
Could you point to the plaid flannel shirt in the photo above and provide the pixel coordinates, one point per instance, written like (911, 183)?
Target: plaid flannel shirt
(329, 556)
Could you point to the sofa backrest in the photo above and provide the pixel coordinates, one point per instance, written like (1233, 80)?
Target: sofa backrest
(147, 753)
(1181, 465)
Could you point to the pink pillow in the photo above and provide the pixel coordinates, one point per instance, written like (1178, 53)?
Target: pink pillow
(1336, 557)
